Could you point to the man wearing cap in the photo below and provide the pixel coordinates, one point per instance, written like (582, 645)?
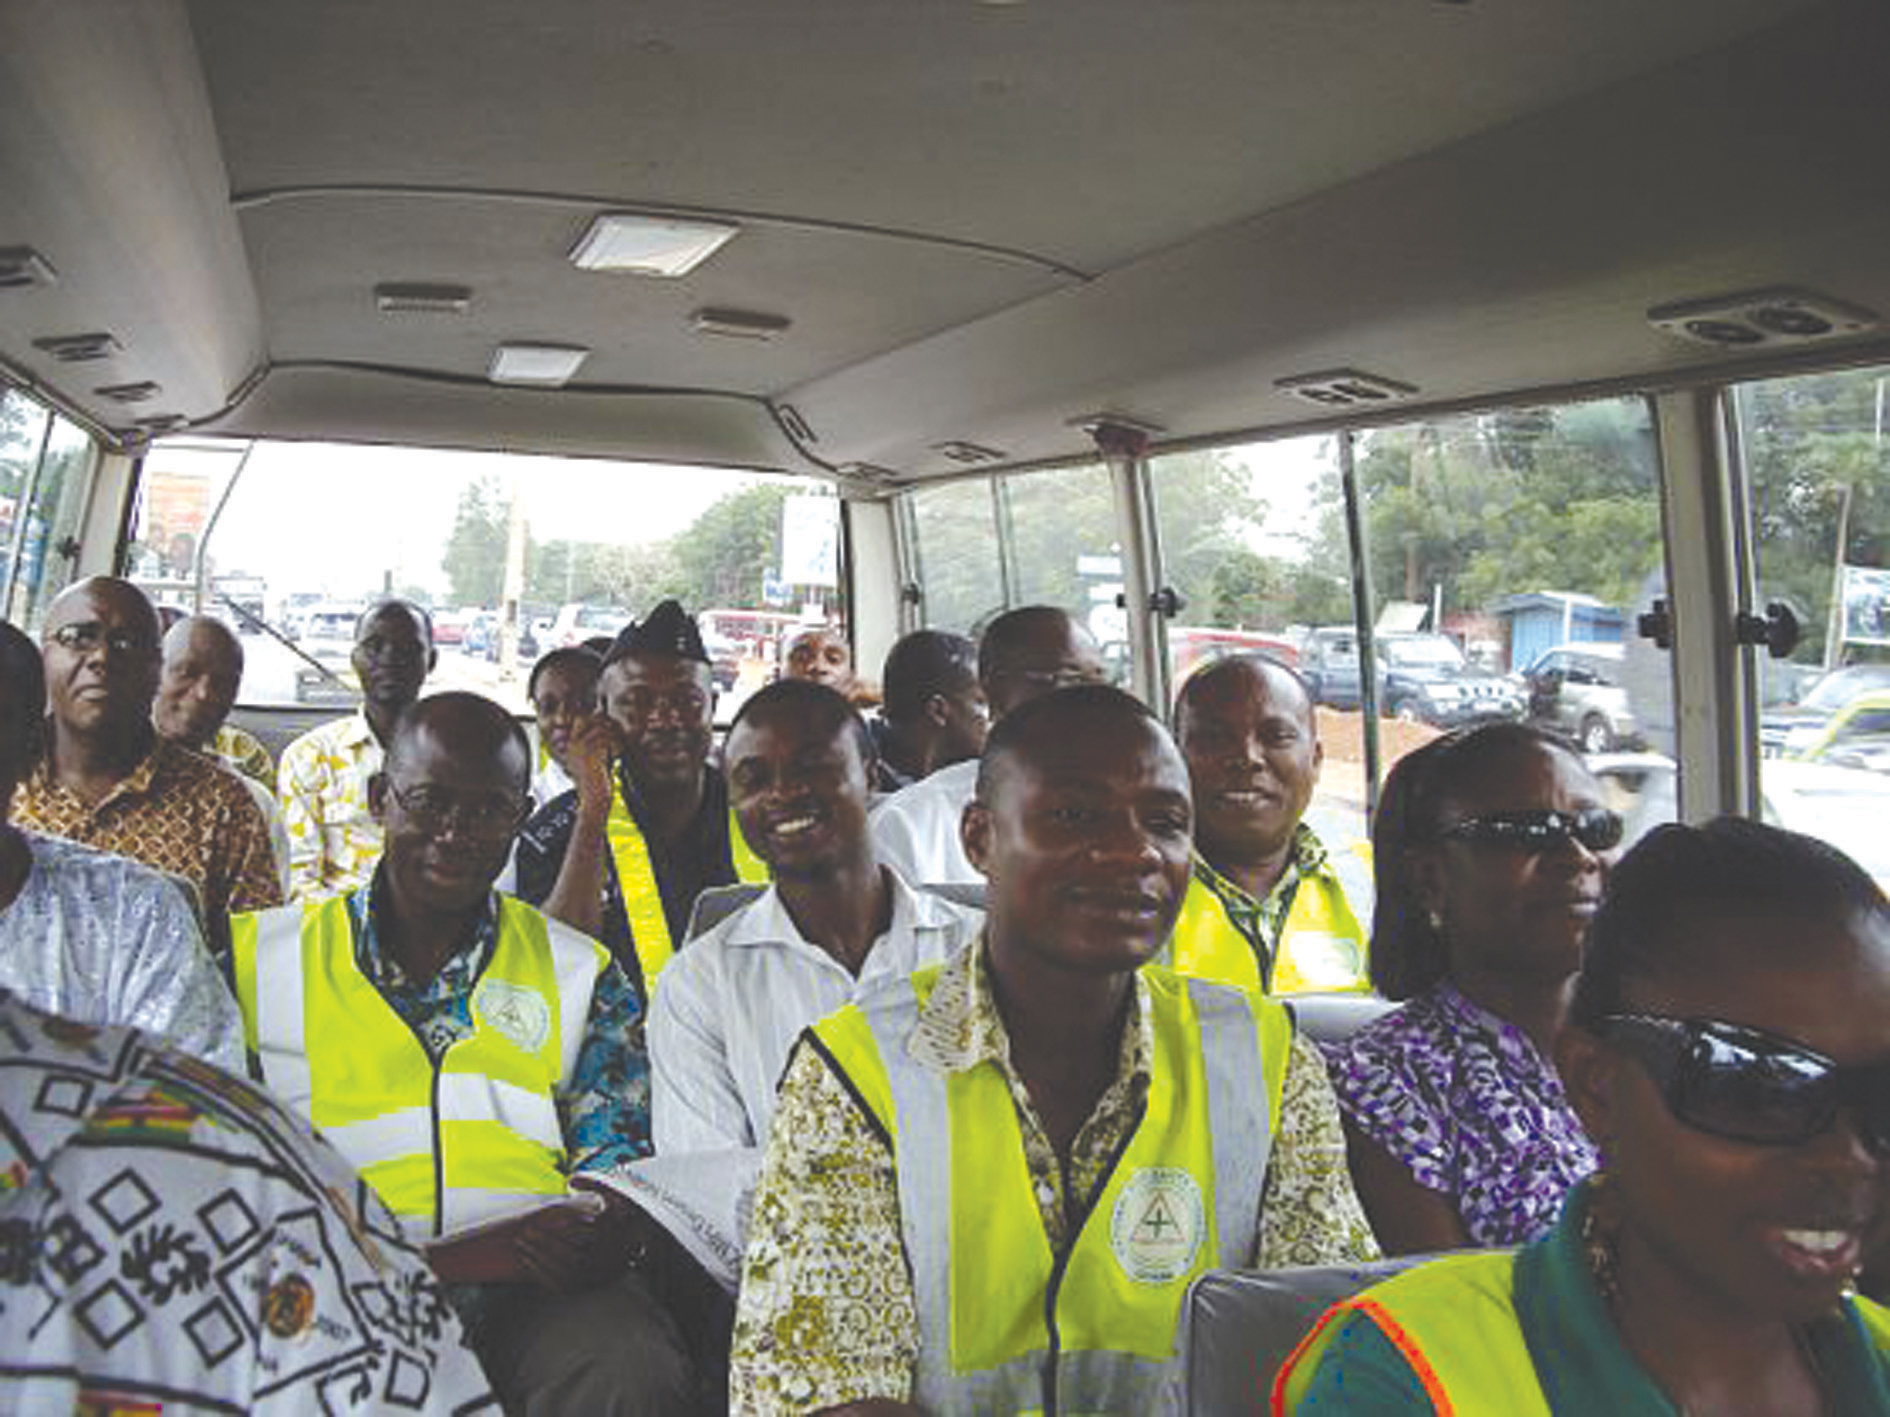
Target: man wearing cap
(625, 853)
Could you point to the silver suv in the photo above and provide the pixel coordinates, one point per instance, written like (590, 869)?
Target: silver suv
(1576, 689)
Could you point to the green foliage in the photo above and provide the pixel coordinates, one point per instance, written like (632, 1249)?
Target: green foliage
(723, 556)
(474, 558)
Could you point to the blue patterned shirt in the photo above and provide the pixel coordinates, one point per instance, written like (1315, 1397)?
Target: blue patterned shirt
(604, 1105)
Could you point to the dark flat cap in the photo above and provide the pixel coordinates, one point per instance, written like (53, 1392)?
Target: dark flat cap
(668, 629)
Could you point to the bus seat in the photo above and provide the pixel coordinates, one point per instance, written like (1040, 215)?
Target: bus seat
(717, 903)
(1239, 1326)
(1333, 1018)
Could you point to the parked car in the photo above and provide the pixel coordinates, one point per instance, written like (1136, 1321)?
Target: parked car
(575, 624)
(1329, 661)
(1576, 689)
(327, 637)
(1858, 736)
(1795, 726)
(1425, 678)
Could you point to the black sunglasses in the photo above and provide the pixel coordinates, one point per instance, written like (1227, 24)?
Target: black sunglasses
(1752, 1086)
(1540, 830)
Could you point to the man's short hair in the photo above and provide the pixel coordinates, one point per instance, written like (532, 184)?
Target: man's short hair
(807, 699)
(478, 725)
(924, 663)
(419, 613)
(1207, 674)
(1015, 734)
(1004, 634)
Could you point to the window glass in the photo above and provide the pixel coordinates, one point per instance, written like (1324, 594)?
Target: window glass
(1241, 533)
(1062, 526)
(22, 434)
(1498, 537)
(954, 528)
(49, 548)
(512, 556)
(1818, 486)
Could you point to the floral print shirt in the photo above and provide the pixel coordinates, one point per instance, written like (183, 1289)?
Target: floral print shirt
(334, 840)
(826, 1314)
(1466, 1101)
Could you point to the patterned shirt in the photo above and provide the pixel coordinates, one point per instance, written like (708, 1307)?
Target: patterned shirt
(1261, 921)
(1466, 1102)
(323, 782)
(604, 1106)
(170, 1237)
(242, 752)
(176, 811)
(105, 940)
(826, 1314)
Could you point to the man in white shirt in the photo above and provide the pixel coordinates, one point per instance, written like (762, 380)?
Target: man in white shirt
(1025, 653)
(733, 1002)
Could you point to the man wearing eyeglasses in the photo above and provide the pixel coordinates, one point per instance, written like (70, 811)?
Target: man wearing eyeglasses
(1025, 653)
(469, 1056)
(108, 780)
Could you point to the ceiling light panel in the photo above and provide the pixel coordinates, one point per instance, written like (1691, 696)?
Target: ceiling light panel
(539, 365)
(661, 246)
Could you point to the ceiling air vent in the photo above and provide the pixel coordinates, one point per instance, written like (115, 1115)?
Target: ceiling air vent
(1760, 317)
(130, 393)
(78, 349)
(1345, 388)
(417, 299)
(161, 424)
(871, 474)
(738, 324)
(21, 268)
(967, 453)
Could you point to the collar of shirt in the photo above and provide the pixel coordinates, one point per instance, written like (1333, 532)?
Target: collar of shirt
(767, 924)
(960, 1025)
(1509, 1041)
(355, 731)
(139, 782)
(1585, 1367)
(458, 971)
(1308, 858)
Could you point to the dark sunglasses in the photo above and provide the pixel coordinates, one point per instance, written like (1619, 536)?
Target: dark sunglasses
(1751, 1086)
(1540, 830)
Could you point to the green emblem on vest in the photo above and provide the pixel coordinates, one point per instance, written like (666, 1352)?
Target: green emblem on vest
(1158, 1225)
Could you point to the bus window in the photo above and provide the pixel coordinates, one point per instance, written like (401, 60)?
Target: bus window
(46, 466)
(512, 555)
(1240, 531)
(953, 530)
(1817, 479)
(1062, 535)
(1511, 552)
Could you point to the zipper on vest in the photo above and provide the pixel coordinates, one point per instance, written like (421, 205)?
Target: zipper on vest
(1052, 1370)
(439, 1155)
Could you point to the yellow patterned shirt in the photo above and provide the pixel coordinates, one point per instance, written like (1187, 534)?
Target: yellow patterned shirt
(333, 840)
(242, 752)
(826, 1314)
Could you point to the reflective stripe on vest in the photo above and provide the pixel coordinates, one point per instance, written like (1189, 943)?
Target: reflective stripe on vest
(1454, 1322)
(636, 883)
(1005, 1325)
(1322, 947)
(479, 1138)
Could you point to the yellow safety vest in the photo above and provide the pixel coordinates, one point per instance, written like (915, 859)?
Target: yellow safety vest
(1454, 1322)
(1322, 947)
(636, 883)
(1006, 1325)
(475, 1137)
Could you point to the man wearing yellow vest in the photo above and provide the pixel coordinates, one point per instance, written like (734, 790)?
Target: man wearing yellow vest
(988, 1185)
(625, 853)
(468, 1055)
(1269, 905)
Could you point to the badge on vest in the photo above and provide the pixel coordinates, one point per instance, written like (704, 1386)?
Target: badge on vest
(518, 1014)
(1158, 1225)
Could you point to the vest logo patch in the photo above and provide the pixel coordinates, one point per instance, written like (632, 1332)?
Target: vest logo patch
(516, 1013)
(1158, 1225)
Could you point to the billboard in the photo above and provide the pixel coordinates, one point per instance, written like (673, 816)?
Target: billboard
(810, 541)
(1866, 591)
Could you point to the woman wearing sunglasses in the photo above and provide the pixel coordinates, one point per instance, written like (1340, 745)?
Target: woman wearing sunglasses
(1490, 847)
(1730, 1052)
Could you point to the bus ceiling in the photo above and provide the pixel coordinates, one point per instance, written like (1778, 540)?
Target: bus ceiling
(962, 226)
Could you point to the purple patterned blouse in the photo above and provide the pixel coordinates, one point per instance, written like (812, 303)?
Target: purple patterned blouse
(1466, 1101)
